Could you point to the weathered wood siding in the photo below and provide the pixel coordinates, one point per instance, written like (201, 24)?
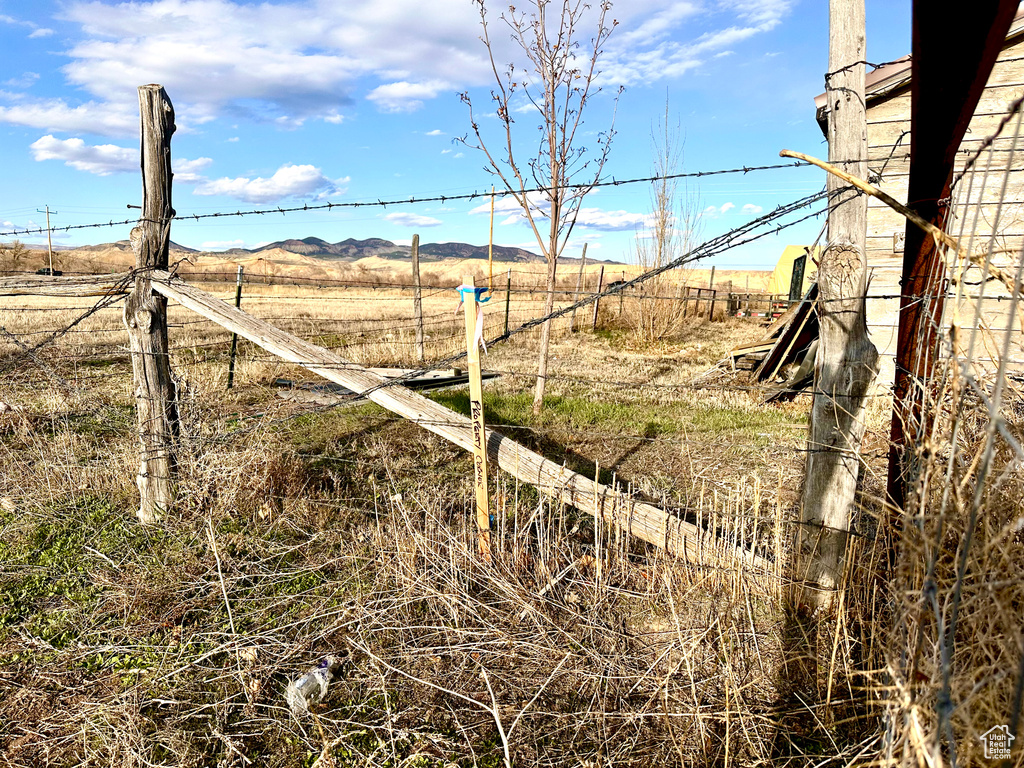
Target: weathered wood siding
(977, 205)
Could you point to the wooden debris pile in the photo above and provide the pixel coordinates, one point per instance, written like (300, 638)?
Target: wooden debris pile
(791, 340)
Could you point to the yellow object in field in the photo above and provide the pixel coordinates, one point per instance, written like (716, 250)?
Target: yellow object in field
(781, 280)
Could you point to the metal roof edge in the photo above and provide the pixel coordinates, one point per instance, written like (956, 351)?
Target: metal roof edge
(895, 74)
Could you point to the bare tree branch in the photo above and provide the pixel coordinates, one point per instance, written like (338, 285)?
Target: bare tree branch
(558, 83)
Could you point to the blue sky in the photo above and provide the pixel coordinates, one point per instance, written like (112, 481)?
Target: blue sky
(281, 103)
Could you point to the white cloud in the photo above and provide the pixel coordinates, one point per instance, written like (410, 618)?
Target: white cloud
(105, 159)
(446, 151)
(26, 80)
(507, 206)
(296, 181)
(435, 132)
(763, 13)
(412, 220)
(56, 115)
(404, 96)
(102, 159)
(37, 31)
(458, 155)
(658, 25)
(610, 221)
(655, 49)
(233, 139)
(292, 61)
(588, 218)
(713, 212)
(748, 209)
(282, 61)
(187, 171)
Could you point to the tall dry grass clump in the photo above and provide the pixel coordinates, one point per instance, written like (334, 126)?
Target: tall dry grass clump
(673, 227)
(355, 537)
(955, 657)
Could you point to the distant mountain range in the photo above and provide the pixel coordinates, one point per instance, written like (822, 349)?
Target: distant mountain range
(353, 250)
(345, 251)
(348, 250)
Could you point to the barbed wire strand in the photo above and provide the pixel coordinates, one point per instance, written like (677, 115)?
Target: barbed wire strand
(613, 182)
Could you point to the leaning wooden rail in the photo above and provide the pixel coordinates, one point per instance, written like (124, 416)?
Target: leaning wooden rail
(645, 521)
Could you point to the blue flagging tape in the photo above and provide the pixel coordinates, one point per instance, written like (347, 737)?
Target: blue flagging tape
(477, 293)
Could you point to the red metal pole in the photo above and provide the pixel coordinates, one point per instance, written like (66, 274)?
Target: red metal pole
(946, 84)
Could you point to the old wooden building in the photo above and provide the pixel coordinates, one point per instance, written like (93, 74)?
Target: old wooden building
(988, 202)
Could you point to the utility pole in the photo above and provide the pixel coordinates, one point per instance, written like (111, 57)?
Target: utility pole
(49, 242)
(846, 360)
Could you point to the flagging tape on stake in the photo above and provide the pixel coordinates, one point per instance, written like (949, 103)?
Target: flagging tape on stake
(477, 296)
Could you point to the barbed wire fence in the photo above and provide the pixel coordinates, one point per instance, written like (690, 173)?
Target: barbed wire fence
(82, 353)
(384, 336)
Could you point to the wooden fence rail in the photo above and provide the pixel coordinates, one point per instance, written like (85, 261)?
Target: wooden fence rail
(644, 521)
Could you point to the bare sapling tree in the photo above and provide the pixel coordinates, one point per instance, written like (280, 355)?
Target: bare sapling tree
(558, 81)
(670, 231)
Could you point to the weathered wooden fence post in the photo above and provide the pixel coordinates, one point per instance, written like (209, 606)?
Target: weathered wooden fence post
(713, 292)
(417, 296)
(579, 285)
(508, 295)
(597, 302)
(234, 336)
(846, 359)
(145, 313)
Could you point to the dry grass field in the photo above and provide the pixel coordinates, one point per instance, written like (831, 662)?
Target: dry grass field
(302, 531)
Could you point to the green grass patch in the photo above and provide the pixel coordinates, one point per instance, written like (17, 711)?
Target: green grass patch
(317, 429)
(649, 420)
(50, 554)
